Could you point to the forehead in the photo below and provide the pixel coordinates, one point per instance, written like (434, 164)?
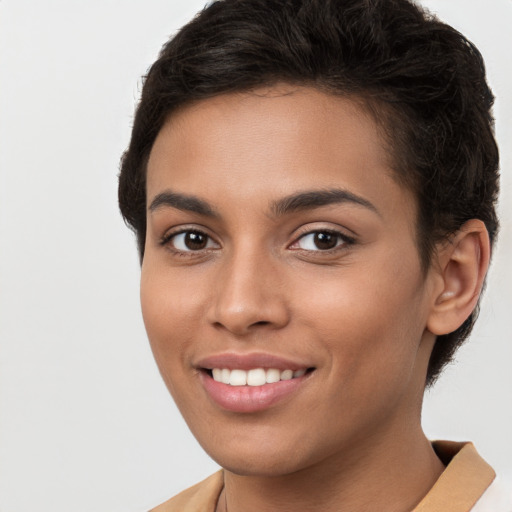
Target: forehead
(272, 141)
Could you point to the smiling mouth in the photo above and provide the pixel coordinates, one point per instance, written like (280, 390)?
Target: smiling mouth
(255, 376)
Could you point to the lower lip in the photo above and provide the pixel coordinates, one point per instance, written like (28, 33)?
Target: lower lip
(249, 398)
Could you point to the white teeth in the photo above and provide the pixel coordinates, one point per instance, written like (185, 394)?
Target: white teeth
(273, 375)
(224, 376)
(238, 378)
(286, 375)
(254, 377)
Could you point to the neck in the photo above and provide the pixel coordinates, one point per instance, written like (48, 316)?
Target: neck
(389, 475)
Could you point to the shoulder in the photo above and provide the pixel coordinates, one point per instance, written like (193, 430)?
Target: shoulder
(201, 497)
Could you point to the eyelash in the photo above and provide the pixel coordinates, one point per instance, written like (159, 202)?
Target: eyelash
(342, 241)
(169, 237)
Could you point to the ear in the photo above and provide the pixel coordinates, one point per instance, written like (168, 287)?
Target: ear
(461, 267)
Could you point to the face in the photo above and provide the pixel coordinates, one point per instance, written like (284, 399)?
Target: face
(282, 289)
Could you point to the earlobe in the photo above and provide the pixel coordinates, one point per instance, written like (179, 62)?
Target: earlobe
(462, 266)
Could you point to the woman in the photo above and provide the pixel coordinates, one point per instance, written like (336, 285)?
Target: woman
(312, 185)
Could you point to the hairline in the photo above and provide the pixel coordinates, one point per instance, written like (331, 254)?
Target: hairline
(382, 113)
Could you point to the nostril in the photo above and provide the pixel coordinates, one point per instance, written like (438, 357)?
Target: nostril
(242, 316)
(261, 323)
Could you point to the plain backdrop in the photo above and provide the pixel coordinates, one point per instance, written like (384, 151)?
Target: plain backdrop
(85, 421)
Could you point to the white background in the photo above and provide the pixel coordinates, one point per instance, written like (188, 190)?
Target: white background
(85, 422)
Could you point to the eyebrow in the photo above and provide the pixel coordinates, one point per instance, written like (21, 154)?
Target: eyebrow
(182, 202)
(301, 201)
(312, 199)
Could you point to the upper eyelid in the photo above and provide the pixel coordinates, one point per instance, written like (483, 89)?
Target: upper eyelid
(298, 233)
(343, 236)
(179, 230)
(184, 228)
(308, 228)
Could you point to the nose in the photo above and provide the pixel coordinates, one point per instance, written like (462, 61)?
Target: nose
(249, 294)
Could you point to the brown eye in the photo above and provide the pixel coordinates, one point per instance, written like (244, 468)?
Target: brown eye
(325, 240)
(195, 241)
(188, 241)
(322, 241)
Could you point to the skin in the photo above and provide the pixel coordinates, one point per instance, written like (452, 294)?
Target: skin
(363, 314)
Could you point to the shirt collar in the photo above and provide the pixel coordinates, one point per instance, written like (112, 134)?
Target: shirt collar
(462, 483)
(460, 486)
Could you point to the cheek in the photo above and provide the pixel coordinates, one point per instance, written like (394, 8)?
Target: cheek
(171, 314)
(370, 319)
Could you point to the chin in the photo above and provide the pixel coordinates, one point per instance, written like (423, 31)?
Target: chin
(258, 465)
(263, 453)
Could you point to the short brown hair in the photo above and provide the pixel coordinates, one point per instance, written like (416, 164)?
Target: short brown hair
(423, 80)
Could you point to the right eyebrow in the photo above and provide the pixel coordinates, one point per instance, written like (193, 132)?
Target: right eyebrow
(182, 202)
(311, 199)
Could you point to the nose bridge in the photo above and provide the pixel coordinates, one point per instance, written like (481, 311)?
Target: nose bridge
(247, 292)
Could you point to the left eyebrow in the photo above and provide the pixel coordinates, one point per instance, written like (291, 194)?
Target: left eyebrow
(312, 199)
(182, 202)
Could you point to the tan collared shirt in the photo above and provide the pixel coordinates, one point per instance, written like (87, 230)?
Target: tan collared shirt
(461, 485)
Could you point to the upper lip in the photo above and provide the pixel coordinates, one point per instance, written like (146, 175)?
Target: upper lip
(233, 361)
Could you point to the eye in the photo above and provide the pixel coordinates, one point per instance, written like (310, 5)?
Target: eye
(321, 241)
(189, 241)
